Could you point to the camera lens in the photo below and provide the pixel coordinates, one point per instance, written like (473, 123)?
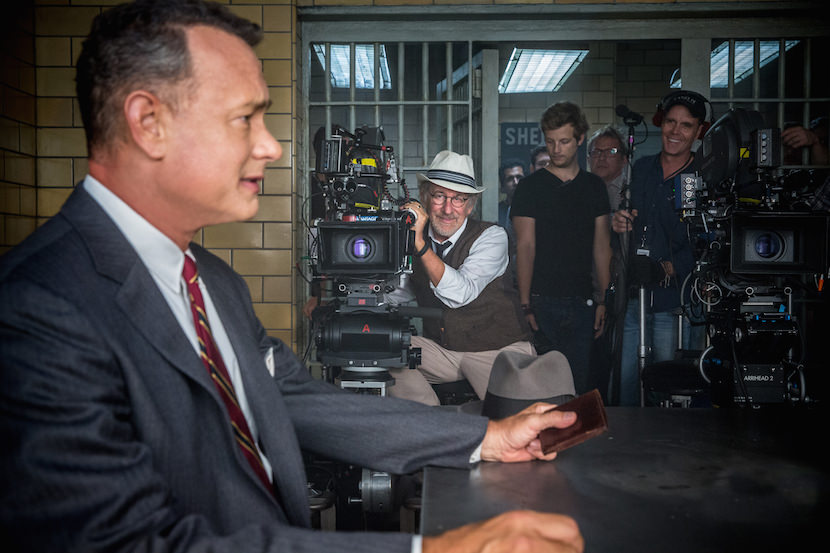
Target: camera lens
(360, 247)
(768, 245)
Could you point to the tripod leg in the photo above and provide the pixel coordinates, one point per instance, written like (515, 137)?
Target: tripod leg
(642, 350)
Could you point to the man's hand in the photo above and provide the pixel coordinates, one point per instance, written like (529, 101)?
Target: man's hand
(310, 305)
(421, 218)
(531, 320)
(516, 438)
(623, 220)
(600, 315)
(511, 532)
(798, 137)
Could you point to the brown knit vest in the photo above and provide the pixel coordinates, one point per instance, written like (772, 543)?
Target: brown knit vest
(491, 321)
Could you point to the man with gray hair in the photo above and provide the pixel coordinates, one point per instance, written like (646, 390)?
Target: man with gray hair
(608, 158)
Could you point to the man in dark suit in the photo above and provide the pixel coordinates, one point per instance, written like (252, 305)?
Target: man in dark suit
(147, 410)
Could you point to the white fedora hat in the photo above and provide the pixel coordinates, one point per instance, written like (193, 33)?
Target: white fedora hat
(453, 171)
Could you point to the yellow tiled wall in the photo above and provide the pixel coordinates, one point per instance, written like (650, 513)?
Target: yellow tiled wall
(44, 152)
(321, 3)
(18, 191)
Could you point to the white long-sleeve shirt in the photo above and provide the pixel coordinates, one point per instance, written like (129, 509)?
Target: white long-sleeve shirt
(487, 260)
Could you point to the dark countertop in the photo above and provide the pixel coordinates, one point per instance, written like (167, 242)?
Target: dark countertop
(663, 480)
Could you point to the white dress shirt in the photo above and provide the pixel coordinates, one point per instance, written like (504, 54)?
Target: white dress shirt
(486, 261)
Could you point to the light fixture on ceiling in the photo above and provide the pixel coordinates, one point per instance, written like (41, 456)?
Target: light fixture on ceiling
(533, 70)
(364, 65)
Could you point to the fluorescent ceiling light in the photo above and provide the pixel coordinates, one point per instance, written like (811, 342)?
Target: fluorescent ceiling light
(744, 53)
(364, 66)
(530, 70)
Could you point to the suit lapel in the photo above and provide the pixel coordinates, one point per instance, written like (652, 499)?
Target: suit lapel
(276, 432)
(139, 298)
(143, 304)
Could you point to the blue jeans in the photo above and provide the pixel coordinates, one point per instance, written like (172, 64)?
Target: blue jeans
(568, 325)
(660, 336)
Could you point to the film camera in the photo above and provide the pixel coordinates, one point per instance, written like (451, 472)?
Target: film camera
(361, 246)
(360, 249)
(761, 258)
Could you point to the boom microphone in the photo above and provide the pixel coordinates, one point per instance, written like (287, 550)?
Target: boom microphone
(630, 117)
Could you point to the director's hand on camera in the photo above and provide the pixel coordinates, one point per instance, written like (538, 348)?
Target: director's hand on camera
(421, 219)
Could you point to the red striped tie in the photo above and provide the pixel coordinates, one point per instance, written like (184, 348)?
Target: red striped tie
(219, 374)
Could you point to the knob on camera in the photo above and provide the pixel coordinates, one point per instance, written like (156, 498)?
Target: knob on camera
(410, 216)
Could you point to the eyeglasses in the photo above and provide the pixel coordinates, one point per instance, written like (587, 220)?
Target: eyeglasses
(438, 198)
(596, 152)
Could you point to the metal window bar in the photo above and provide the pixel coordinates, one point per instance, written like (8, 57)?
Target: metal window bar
(807, 100)
(447, 100)
(756, 72)
(449, 90)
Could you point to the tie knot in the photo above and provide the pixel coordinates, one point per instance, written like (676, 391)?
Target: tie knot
(190, 273)
(442, 247)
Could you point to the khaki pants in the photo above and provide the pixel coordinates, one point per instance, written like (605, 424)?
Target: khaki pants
(439, 365)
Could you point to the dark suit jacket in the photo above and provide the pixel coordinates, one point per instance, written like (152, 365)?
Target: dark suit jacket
(114, 437)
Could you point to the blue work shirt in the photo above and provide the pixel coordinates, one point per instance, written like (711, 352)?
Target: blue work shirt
(666, 234)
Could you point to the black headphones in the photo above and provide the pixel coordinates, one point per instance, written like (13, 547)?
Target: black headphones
(657, 120)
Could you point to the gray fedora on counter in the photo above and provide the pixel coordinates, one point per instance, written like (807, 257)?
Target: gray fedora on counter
(519, 380)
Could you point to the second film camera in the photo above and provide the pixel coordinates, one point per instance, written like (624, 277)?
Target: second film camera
(359, 248)
(762, 257)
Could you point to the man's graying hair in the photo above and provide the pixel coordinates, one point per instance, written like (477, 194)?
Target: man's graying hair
(142, 46)
(610, 132)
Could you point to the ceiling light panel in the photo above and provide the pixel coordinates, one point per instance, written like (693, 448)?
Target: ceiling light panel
(532, 70)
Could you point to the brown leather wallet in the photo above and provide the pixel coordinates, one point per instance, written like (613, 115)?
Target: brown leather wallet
(590, 421)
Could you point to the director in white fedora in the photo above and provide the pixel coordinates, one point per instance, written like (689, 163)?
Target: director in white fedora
(461, 267)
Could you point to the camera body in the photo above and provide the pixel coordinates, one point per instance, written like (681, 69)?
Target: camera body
(760, 252)
(360, 247)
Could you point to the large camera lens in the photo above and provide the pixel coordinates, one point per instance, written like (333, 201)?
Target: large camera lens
(360, 247)
(768, 245)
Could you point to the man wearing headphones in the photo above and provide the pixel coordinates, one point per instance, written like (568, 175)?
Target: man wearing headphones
(659, 234)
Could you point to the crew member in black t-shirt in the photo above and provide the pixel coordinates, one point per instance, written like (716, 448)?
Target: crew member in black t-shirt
(560, 216)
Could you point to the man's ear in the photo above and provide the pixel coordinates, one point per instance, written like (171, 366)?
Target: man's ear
(146, 117)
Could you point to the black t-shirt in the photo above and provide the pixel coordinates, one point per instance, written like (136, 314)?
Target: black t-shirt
(565, 214)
